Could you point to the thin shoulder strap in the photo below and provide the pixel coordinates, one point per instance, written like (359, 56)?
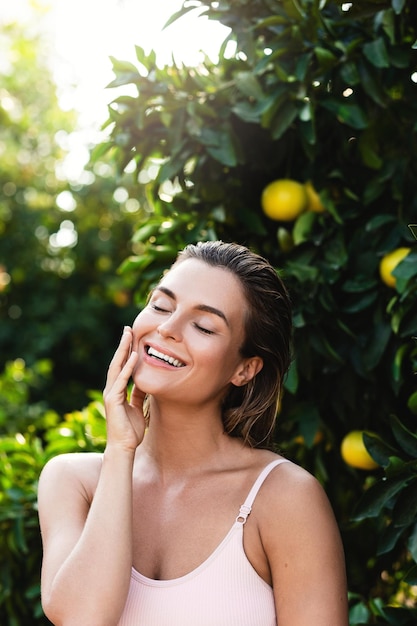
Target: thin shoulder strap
(246, 508)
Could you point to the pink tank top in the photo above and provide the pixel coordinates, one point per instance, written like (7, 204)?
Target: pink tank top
(224, 590)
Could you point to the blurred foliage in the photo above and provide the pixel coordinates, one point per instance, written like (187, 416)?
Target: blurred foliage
(60, 241)
(313, 90)
(23, 453)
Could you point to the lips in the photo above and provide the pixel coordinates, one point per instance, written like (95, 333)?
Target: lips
(164, 357)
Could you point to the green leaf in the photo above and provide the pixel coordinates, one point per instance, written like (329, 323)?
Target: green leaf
(359, 284)
(411, 577)
(301, 272)
(147, 230)
(291, 380)
(322, 345)
(377, 221)
(283, 119)
(412, 403)
(378, 341)
(407, 268)
(376, 53)
(248, 84)
(412, 543)
(405, 509)
(369, 149)
(175, 164)
(302, 227)
(307, 417)
(126, 73)
(135, 263)
(397, 364)
(378, 496)
(302, 66)
(404, 437)
(371, 85)
(220, 145)
(373, 190)
(361, 303)
(309, 423)
(349, 73)
(325, 58)
(347, 113)
(359, 614)
(252, 111)
(389, 539)
(398, 467)
(180, 13)
(380, 451)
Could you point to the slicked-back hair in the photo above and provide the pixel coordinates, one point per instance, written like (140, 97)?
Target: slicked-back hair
(250, 411)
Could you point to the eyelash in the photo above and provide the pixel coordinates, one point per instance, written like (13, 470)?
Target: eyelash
(206, 331)
(158, 309)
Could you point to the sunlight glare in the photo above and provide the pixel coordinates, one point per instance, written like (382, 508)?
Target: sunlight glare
(82, 35)
(86, 33)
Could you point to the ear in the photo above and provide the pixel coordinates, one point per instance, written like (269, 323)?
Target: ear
(247, 370)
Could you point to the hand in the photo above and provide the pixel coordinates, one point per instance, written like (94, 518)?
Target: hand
(125, 419)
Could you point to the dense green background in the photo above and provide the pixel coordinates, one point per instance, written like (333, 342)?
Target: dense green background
(312, 91)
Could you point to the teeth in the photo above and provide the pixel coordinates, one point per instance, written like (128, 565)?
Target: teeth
(165, 357)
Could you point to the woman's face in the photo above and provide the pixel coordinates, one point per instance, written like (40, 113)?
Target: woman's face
(188, 336)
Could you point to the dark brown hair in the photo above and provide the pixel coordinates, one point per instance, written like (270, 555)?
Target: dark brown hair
(250, 411)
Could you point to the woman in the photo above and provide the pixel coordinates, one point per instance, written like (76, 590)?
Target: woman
(153, 532)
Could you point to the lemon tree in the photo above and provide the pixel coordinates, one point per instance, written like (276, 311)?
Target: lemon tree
(320, 91)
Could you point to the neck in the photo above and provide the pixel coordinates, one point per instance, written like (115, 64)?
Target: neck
(184, 439)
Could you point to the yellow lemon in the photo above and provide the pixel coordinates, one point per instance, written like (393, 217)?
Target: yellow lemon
(354, 453)
(284, 200)
(389, 262)
(314, 202)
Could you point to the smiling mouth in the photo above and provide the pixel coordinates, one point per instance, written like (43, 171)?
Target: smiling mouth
(164, 357)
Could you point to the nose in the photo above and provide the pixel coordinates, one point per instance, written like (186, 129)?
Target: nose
(170, 328)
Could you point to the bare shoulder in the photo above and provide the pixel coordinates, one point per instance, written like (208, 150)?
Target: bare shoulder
(80, 470)
(292, 503)
(73, 462)
(290, 486)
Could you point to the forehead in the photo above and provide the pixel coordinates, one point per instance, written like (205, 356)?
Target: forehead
(204, 282)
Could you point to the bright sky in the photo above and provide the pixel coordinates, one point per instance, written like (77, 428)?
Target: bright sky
(85, 33)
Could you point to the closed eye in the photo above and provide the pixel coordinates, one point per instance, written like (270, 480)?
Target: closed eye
(206, 331)
(158, 308)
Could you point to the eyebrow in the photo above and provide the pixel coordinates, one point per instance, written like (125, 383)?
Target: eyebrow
(200, 307)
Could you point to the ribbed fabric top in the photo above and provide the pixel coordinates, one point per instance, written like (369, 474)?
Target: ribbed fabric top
(225, 590)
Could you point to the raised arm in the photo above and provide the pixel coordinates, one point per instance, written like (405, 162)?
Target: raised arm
(304, 550)
(85, 511)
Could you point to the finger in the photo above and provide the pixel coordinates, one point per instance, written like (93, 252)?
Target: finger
(121, 381)
(121, 355)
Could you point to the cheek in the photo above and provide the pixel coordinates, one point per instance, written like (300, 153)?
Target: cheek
(219, 357)
(137, 319)
(141, 323)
